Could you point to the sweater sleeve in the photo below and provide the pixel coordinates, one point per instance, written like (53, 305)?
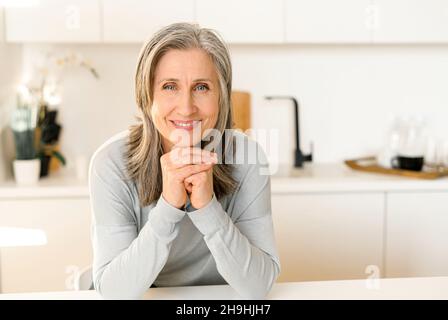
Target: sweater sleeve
(244, 250)
(126, 262)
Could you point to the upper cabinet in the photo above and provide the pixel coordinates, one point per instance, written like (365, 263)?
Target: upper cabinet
(412, 21)
(54, 21)
(329, 21)
(248, 21)
(245, 22)
(137, 20)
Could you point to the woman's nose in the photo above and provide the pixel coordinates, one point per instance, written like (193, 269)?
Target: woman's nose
(185, 105)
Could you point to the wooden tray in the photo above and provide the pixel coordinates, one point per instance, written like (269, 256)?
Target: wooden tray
(369, 164)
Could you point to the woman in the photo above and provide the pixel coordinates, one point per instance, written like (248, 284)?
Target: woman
(166, 210)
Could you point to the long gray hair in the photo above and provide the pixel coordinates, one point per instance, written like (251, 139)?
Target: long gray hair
(144, 147)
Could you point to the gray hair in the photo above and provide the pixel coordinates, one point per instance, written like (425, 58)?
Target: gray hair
(144, 147)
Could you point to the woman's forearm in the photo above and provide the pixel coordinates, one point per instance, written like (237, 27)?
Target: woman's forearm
(250, 271)
(247, 268)
(134, 268)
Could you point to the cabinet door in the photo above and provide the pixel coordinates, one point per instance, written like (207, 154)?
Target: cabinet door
(50, 267)
(137, 20)
(412, 21)
(318, 21)
(248, 21)
(329, 236)
(417, 234)
(54, 21)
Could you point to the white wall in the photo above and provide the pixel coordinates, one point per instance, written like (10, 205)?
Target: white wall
(10, 71)
(348, 93)
(92, 109)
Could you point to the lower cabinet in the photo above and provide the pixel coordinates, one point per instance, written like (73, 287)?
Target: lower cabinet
(417, 234)
(329, 236)
(50, 267)
(320, 236)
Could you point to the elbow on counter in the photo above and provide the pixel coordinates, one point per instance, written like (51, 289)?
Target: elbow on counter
(113, 291)
(258, 287)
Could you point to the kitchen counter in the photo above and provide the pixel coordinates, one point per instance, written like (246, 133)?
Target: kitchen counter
(62, 184)
(312, 178)
(398, 288)
(338, 177)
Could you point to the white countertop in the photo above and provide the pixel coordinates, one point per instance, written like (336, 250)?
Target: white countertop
(399, 288)
(311, 179)
(61, 184)
(338, 177)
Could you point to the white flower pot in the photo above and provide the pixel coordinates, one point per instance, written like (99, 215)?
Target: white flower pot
(26, 172)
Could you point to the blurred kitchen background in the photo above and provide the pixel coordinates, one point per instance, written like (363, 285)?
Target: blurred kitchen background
(355, 67)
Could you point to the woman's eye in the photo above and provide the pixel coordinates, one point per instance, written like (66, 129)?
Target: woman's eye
(169, 87)
(202, 87)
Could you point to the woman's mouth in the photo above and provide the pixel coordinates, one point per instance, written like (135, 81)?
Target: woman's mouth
(185, 125)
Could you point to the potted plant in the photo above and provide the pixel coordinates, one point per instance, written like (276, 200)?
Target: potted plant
(44, 89)
(26, 166)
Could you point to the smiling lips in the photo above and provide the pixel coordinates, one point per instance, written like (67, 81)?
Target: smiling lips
(185, 125)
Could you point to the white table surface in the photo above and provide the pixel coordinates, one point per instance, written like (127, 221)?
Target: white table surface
(398, 288)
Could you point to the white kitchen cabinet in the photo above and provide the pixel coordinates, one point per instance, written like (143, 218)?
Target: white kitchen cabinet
(417, 234)
(54, 21)
(329, 236)
(137, 20)
(412, 21)
(328, 21)
(52, 267)
(248, 21)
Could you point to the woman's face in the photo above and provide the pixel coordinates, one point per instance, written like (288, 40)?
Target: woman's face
(186, 95)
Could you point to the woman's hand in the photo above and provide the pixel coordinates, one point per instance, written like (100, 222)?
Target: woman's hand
(200, 188)
(179, 164)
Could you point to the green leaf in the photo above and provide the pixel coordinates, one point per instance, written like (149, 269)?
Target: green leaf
(59, 156)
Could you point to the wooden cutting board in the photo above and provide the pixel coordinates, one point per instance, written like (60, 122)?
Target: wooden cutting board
(241, 110)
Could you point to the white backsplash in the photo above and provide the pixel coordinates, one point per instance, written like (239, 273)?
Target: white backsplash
(347, 93)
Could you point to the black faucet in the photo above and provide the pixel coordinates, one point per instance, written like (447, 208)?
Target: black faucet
(299, 157)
